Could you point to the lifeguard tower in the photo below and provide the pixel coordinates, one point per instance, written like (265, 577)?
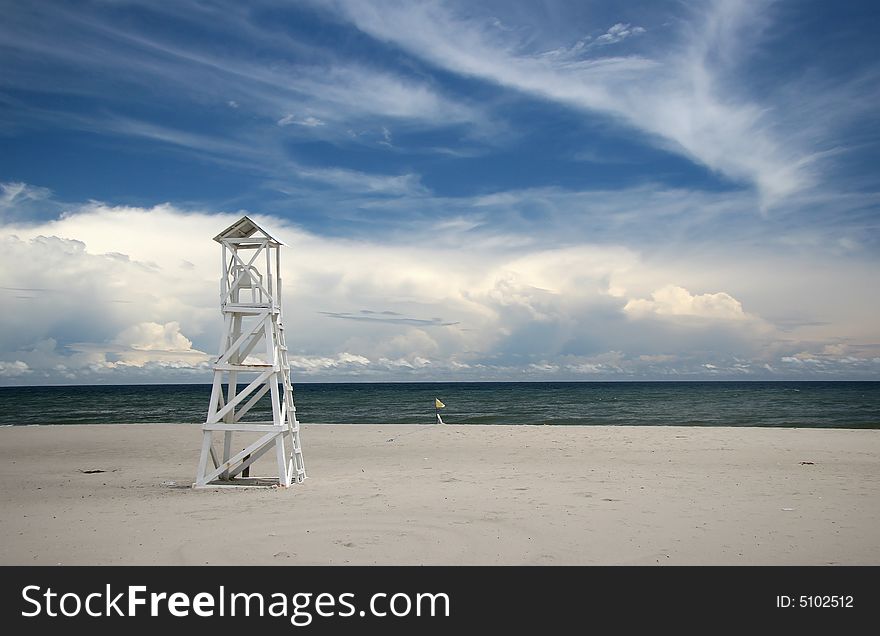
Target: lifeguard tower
(252, 351)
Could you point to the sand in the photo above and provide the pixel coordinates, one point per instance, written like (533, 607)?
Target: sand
(449, 495)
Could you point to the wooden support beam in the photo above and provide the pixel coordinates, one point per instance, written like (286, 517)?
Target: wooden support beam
(250, 403)
(218, 415)
(246, 368)
(247, 461)
(244, 427)
(245, 334)
(250, 450)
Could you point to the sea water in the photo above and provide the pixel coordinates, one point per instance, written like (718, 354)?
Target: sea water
(787, 404)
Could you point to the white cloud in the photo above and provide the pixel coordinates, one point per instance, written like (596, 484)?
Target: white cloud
(14, 193)
(351, 91)
(683, 98)
(673, 300)
(268, 158)
(365, 183)
(618, 33)
(151, 336)
(20, 201)
(312, 364)
(288, 75)
(130, 294)
(13, 369)
(308, 122)
(683, 91)
(261, 73)
(99, 301)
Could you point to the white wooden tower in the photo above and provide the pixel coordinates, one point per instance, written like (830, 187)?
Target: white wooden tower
(252, 352)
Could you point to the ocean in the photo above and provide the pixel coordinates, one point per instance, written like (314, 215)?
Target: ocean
(785, 404)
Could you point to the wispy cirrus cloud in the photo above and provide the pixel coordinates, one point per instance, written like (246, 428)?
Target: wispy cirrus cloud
(308, 121)
(267, 158)
(19, 201)
(616, 33)
(364, 183)
(258, 70)
(684, 95)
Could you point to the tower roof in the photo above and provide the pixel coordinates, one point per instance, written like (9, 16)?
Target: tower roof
(246, 228)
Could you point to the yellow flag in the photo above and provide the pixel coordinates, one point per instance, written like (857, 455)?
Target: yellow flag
(438, 404)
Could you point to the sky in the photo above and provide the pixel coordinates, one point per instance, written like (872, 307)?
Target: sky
(514, 190)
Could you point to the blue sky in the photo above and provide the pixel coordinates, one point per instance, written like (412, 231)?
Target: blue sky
(491, 190)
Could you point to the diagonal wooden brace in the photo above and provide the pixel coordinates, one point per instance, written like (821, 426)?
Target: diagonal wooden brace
(265, 439)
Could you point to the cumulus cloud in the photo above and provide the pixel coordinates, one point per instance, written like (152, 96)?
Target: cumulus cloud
(13, 369)
(81, 306)
(114, 293)
(151, 336)
(316, 364)
(673, 300)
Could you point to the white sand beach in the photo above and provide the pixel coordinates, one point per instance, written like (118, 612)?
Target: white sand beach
(449, 495)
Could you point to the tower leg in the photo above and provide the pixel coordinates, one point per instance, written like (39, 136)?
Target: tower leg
(203, 458)
(227, 449)
(281, 456)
